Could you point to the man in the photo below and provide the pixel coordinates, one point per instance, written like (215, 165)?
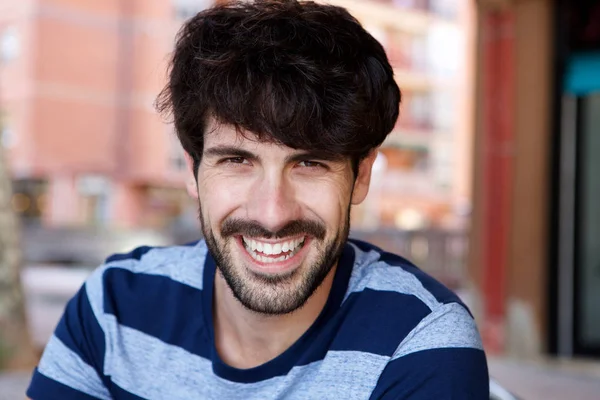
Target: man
(280, 107)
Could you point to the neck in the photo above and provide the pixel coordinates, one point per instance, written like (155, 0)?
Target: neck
(246, 339)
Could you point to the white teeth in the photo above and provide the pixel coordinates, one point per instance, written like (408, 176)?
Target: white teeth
(268, 248)
(268, 260)
(289, 247)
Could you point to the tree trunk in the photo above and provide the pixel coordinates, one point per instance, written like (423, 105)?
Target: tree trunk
(16, 350)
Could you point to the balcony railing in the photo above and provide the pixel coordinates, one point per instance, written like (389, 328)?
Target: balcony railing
(441, 253)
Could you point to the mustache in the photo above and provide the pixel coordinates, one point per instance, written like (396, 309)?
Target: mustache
(247, 228)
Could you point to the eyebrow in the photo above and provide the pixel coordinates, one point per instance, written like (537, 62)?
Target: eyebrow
(232, 151)
(314, 155)
(229, 151)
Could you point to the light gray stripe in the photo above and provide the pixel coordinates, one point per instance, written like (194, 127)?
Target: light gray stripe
(61, 364)
(183, 264)
(450, 326)
(370, 273)
(341, 375)
(146, 366)
(171, 372)
(95, 294)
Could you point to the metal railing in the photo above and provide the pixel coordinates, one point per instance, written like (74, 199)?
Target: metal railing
(441, 253)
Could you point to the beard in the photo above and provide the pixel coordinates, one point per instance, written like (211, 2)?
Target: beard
(275, 294)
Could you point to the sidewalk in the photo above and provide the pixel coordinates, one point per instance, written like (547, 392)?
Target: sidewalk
(13, 385)
(548, 380)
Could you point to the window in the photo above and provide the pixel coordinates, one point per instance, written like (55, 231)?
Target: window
(185, 9)
(7, 134)
(29, 199)
(10, 45)
(176, 153)
(448, 9)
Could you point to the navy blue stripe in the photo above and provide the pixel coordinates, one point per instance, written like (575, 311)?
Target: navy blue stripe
(79, 330)
(378, 321)
(369, 321)
(135, 254)
(119, 393)
(438, 290)
(158, 306)
(441, 374)
(44, 388)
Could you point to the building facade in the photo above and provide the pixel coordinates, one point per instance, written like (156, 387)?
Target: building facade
(424, 178)
(77, 85)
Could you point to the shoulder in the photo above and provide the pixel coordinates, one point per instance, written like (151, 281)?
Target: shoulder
(179, 263)
(420, 310)
(377, 270)
(130, 277)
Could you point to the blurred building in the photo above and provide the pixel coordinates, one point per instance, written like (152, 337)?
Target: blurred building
(423, 176)
(536, 223)
(77, 85)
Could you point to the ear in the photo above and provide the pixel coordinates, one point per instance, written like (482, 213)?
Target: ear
(191, 182)
(363, 178)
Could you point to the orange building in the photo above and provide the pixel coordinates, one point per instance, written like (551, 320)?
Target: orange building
(77, 85)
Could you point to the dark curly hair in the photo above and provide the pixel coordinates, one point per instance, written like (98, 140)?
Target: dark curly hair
(301, 74)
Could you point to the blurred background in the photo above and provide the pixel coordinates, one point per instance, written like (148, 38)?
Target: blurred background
(490, 181)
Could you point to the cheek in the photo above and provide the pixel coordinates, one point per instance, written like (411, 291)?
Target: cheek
(328, 202)
(219, 197)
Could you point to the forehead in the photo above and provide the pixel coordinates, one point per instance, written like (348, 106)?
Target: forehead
(228, 135)
(224, 136)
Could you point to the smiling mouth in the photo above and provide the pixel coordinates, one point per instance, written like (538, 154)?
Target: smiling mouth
(264, 252)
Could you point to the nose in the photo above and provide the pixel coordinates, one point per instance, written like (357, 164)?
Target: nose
(273, 202)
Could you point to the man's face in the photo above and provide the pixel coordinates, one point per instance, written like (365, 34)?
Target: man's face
(274, 218)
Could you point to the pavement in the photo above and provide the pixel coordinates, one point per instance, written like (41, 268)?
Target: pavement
(47, 289)
(13, 385)
(548, 379)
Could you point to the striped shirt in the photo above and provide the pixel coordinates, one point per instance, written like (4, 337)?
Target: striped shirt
(141, 328)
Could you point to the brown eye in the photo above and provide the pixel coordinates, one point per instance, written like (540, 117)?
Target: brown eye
(310, 164)
(235, 160)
